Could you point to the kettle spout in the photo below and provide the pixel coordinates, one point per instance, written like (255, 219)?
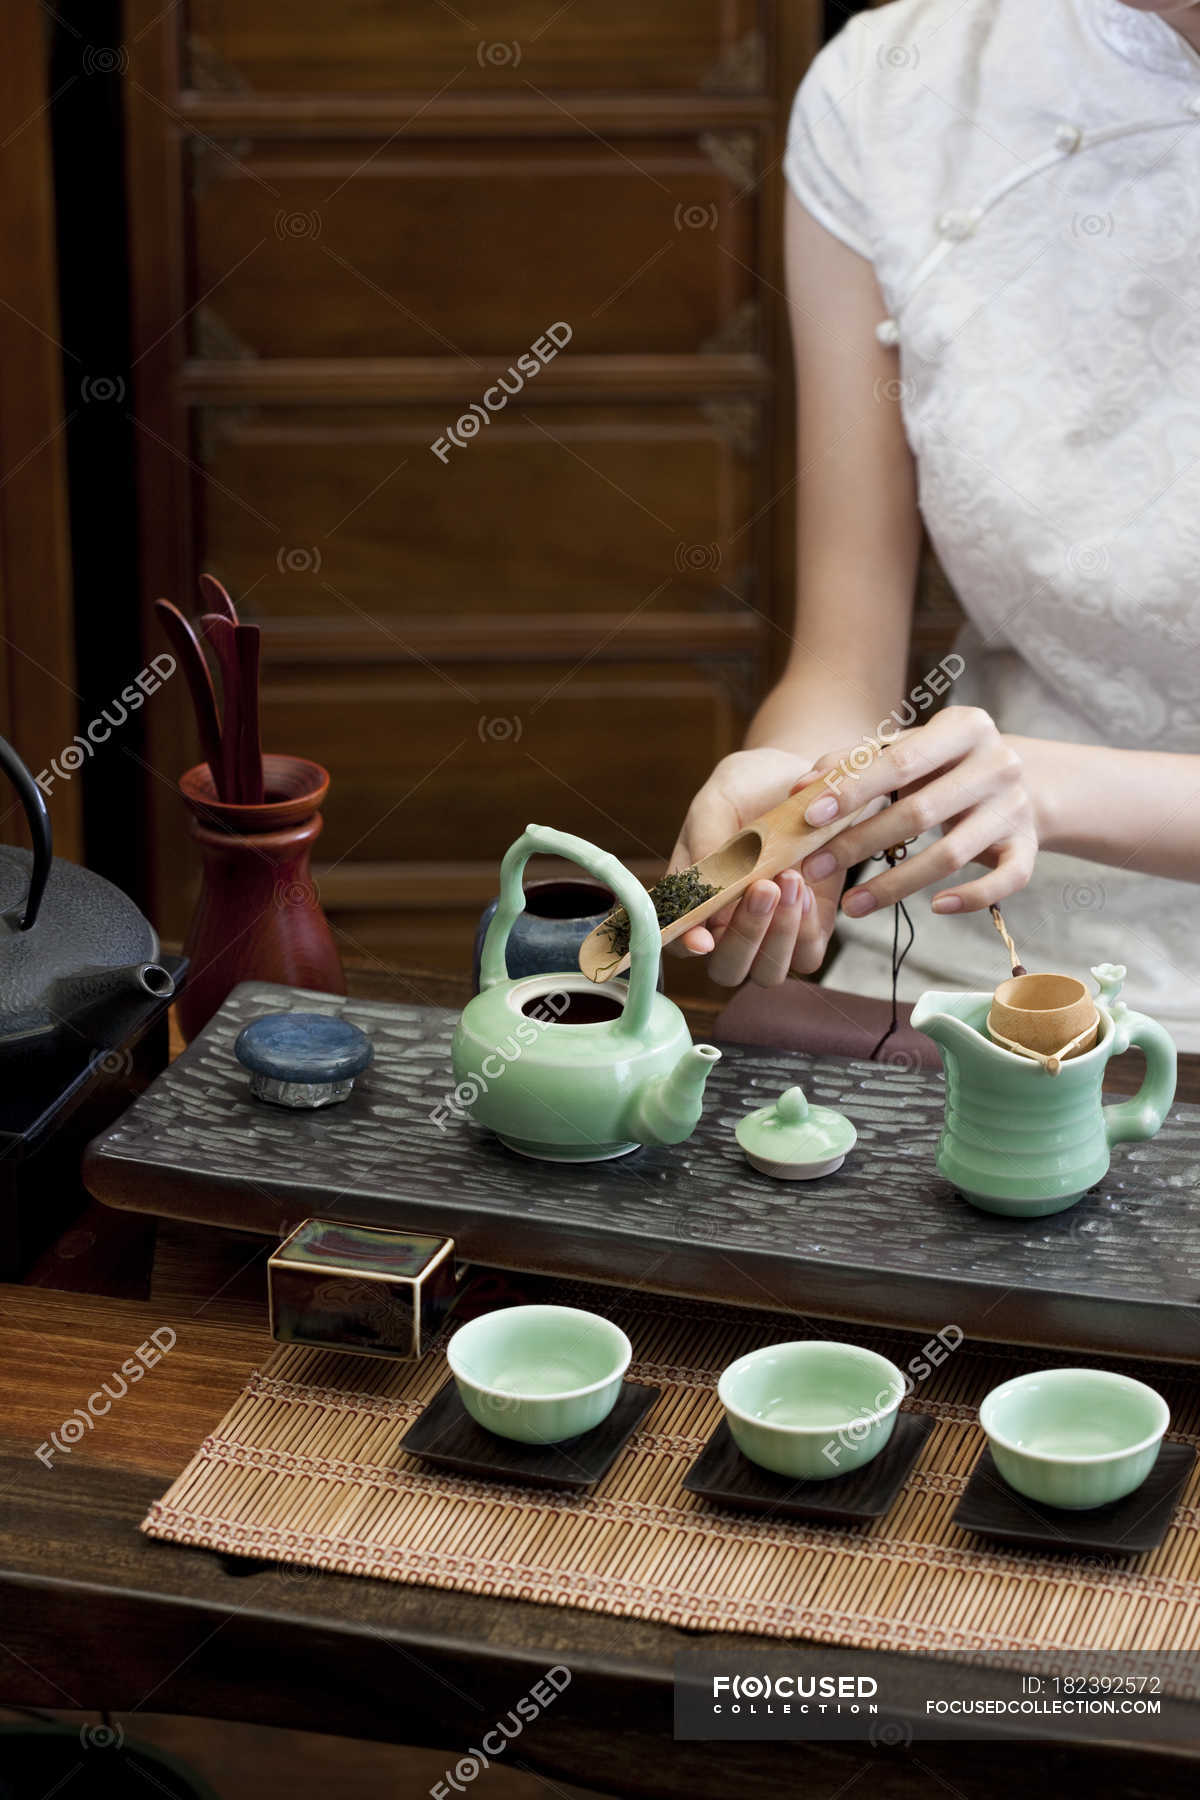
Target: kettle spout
(668, 1110)
(84, 997)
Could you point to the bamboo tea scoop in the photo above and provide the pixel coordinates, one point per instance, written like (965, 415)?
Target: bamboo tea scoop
(760, 850)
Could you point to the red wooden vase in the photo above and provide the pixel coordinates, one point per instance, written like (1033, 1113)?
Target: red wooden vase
(258, 917)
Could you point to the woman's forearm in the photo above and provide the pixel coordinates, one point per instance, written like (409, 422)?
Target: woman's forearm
(1135, 809)
(858, 530)
(808, 715)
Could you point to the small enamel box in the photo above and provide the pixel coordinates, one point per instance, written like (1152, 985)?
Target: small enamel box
(339, 1286)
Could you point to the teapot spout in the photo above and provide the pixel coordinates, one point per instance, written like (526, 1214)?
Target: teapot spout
(668, 1110)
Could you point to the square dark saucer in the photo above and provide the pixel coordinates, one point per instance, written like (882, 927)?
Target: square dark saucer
(722, 1473)
(446, 1434)
(1125, 1528)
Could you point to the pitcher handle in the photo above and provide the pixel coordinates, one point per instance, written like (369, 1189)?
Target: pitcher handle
(542, 840)
(1142, 1116)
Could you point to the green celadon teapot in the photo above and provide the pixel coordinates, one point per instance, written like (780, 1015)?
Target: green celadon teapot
(561, 1069)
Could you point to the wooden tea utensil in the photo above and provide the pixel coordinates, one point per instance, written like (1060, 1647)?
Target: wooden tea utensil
(760, 850)
(216, 595)
(1053, 1062)
(222, 635)
(1046, 1017)
(1018, 967)
(248, 643)
(194, 663)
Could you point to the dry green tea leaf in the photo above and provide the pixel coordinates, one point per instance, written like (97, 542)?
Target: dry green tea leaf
(673, 896)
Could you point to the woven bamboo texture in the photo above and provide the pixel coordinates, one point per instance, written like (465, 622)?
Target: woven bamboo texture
(305, 1469)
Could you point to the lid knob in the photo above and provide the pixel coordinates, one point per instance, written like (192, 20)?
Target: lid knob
(791, 1108)
(302, 1059)
(794, 1141)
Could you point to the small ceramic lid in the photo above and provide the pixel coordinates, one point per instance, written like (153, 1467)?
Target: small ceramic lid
(304, 1047)
(792, 1138)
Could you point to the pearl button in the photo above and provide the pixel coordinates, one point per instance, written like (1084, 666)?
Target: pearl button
(887, 331)
(1068, 138)
(958, 225)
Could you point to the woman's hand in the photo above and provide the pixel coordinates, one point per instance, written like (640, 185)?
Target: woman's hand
(958, 773)
(777, 926)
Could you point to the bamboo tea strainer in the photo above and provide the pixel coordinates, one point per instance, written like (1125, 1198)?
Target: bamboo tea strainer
(1045, 1017)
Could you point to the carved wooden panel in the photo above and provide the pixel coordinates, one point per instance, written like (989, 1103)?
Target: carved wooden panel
(432, 764)
(425, 249)
(347, 225)
(38, 687)
(359, 45)
(349, 514)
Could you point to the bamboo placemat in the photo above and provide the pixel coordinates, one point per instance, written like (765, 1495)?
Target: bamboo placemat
(304, 1468)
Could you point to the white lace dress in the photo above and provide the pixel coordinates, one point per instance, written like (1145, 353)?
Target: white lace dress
(1024, 176)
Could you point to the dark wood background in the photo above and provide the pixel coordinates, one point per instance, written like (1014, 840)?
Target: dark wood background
(294, 244)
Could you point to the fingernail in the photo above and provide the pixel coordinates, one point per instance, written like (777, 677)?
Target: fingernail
(859, 903)
(806, 903)
(822, 810)
(823, 863)
(789, 887)
(761, 899)
(946, 903)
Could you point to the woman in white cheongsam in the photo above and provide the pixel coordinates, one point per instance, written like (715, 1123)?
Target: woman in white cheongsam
(993, 252)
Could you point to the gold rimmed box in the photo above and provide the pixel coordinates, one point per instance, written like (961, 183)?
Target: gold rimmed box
(339, 1286)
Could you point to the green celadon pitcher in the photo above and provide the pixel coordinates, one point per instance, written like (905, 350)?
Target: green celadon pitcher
(559, 1068)
(1020, 1141)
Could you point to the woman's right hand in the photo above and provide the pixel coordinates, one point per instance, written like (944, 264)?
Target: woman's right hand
(777, 927)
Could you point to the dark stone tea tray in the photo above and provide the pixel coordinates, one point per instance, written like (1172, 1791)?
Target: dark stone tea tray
(885, 1240)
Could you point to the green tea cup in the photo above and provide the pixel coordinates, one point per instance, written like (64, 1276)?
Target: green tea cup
(539, 1374)
(1074, 1438)
(811, 1409)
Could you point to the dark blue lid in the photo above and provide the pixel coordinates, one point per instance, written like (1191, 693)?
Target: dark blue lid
(303, 1046)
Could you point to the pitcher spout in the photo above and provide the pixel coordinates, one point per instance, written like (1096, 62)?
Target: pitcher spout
(668, 1109)
(952, 1020)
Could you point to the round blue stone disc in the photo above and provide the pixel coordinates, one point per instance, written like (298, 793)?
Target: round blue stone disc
(303, 1046)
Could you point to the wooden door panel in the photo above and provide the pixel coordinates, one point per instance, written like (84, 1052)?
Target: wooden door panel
(360, 46)
(347, 516)
(38, 682)
(436, 767)
(339, 249)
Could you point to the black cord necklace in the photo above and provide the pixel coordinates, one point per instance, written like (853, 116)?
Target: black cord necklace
(896, 854)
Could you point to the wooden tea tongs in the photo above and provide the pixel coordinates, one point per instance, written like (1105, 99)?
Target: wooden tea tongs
(230, 739)
(759, 851)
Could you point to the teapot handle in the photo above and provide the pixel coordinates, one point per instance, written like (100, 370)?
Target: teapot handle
(1142, 1116)
(542, 840)
(38, 819)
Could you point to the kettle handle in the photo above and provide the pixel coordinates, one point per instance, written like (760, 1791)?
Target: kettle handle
(542, 840)
(38, 819)
(1142, 1116)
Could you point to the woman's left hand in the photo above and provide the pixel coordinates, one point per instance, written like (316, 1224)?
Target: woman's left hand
(959, 773)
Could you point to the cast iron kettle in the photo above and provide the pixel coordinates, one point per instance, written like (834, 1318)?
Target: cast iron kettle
(72, 946)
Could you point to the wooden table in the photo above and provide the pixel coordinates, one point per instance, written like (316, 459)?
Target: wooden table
(92, 1614)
